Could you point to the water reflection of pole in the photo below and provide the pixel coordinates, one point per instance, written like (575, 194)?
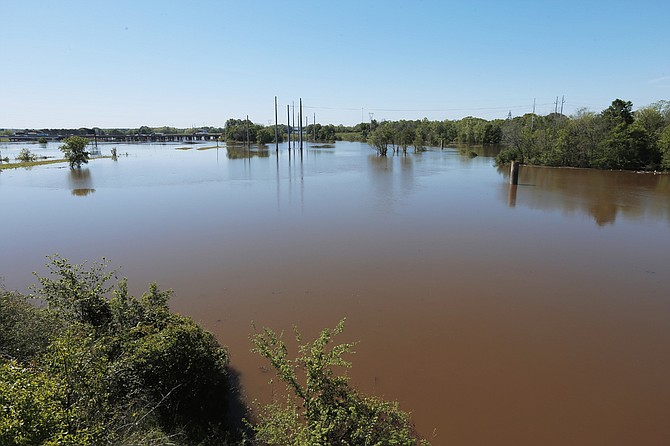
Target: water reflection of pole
(511, 195)
(278, 183)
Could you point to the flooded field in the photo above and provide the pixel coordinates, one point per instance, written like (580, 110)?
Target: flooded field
(535, 314)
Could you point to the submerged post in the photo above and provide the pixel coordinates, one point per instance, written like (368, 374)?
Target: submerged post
(514, 173)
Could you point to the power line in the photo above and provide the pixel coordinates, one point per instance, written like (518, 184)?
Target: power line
(525, 106)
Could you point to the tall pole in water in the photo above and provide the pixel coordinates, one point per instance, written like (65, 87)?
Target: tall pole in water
(276, 133)
(314, 128)
(247, 126)
(293, 120)
(288, 126)
(300, 117)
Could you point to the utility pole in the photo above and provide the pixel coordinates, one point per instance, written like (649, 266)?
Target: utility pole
(314, 128)
(532, 118)
(247, 126)
(300, 118)
(276, 133)
(293, 115)
(288, 126)
(562, 102)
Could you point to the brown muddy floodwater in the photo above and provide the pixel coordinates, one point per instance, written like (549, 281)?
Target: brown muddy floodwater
(533, 315)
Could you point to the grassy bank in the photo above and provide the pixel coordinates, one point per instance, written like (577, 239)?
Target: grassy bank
(41, 162)
(4, 166)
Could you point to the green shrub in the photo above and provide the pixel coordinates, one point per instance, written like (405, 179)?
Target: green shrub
(324, 409)
(26, 156)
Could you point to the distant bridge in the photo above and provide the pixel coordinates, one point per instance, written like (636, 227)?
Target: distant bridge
(138, 137)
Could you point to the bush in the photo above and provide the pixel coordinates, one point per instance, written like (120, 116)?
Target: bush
(26, 156)
(324, 410)
(31, 407)
(130, 367)
(25, 331)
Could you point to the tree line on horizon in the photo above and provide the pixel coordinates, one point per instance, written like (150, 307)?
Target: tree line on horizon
(615, 138)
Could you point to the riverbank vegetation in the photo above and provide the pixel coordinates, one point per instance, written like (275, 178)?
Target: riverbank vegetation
(83, 362)
(615, 138)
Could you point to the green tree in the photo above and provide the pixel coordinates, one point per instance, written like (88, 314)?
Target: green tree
(74, 151)
(265, 135)
(664, 148)
(25, 156)
(620, 112)
(381, 137)
(322, 409)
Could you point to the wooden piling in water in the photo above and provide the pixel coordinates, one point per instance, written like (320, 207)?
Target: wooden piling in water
(514, 173)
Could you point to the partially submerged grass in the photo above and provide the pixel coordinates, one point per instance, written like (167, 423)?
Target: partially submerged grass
(41, 162)
(31, 163)
(207, 148)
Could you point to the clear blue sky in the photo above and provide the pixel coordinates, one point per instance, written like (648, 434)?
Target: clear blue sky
(131, 63)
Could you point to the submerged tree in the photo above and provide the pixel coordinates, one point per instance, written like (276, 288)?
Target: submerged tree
(74, 151)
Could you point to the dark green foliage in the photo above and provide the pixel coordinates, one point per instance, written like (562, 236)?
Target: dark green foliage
(238, 130)
(265, 135)
(183, 368)
(74, 151)
(322, 409)
(620, 112)
(25, 330)
(324, 133)
(617, 138)
(664, 148)
(123, 370)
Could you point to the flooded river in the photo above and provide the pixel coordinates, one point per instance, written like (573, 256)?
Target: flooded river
(535, 314)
